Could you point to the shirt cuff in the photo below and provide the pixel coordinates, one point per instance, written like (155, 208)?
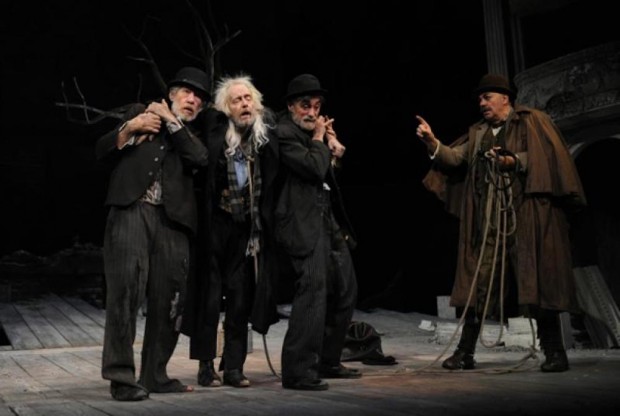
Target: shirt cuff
(132, 139)
(173, 127)
(436, 151)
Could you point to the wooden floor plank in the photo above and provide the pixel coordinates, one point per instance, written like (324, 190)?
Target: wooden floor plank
(39, 367)
(69, 330)
(67, 381)
(58, 407)
(17, 381)
(40, 326)
(92, 327)
(87, 326)
(98, 315)
(18, 333)
(79, 318)
(9, 372)
(92, 357)
(73, 364)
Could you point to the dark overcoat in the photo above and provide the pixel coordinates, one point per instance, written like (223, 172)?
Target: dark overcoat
(204, 286)
(306, 166)
(132, 169)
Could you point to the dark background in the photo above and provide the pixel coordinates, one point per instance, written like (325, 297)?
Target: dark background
(381, 64)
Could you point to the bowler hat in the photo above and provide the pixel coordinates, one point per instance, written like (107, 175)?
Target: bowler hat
(194, 78)
(304, 84)
(495, 83)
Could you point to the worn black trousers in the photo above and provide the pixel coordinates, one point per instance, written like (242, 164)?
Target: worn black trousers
(323, 303)
(145, 254)
(231, 281)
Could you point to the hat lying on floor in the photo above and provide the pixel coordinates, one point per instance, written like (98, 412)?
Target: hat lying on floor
(363, 343)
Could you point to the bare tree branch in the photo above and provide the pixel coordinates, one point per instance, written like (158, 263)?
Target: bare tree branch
(206, 40)
(149, 60)
(101, 114)
(88, 110)
(208, 51)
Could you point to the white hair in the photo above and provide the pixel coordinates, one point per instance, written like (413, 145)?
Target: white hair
(258, 136)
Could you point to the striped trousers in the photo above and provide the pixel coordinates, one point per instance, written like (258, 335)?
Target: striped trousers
(145, 255)
(323, 303)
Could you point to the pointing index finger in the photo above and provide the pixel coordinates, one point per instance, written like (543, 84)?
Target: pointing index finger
(421, 120)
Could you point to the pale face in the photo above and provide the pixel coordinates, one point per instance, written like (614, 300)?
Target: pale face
(241, 105)
(494, 107)
(305, 111)
(186, 104)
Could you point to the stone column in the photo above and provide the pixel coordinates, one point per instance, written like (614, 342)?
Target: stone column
(497, 61)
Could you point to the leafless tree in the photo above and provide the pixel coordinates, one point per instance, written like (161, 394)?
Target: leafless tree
(209, 41)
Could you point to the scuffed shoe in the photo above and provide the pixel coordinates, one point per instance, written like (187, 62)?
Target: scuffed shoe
(556, 362)
(460, 360)
(338, 371)
(235, 378)
(207, 376)
(127, 392)
(306, 384)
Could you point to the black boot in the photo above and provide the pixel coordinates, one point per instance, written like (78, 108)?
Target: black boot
(556, 362)
(463, 357)
(551, 342)
(460, 360)
(207, 376)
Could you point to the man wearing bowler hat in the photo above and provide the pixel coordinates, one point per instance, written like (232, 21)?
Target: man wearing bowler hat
(312, 228)
(152, 155)
(512, 200)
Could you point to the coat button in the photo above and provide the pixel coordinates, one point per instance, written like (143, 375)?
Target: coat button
(150, 173)
(156, 159)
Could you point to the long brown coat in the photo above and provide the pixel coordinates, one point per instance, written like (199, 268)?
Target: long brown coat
(548, 187)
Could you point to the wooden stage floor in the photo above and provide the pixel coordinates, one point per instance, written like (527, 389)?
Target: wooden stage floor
(54, 368)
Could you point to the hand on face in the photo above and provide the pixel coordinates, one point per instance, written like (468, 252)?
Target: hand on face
(320, 126)
(334, 145)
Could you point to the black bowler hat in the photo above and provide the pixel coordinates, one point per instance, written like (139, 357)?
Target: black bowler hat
(304, 84)
(495, 83)
(194, 78)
